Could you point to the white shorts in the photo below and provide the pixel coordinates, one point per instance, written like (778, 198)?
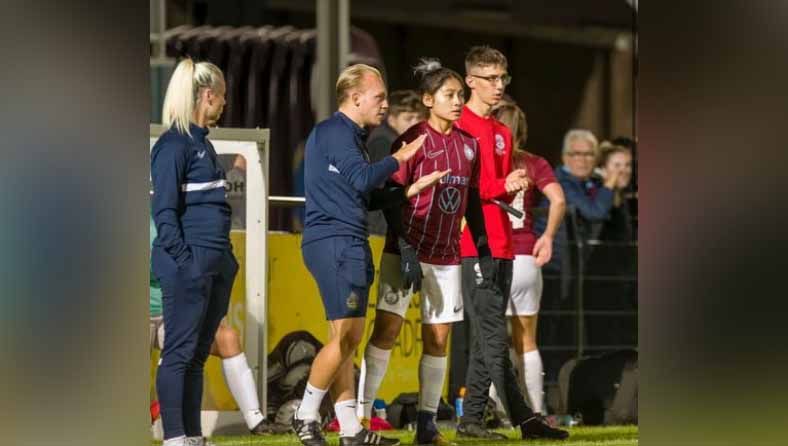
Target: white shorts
(156, 332)
(526, 287)
(441, 292)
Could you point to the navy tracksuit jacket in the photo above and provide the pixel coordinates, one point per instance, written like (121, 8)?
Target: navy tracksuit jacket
(340, 185)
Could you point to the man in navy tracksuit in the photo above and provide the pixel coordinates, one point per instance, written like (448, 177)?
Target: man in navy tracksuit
(340, 185)
(191, 257)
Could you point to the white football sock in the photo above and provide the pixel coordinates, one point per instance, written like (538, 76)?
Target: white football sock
(534, 380)
(240, 380)
(373, 369)
(432, 370)
(349, 425)
(310, 404)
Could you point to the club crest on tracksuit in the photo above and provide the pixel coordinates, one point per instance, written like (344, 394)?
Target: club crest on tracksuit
(352, 301)
(500, 144)
(469, 153)
(391, 298)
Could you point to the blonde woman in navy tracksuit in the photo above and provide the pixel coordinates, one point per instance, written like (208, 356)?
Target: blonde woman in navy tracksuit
(191, 256)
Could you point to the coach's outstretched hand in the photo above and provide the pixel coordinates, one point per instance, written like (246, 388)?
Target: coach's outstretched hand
(425, 182)
(407, 151)
(409, 266)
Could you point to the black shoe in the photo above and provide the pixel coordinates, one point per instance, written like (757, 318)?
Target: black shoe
(431, 438)
(474, 430)
(309, 432)
(427, 433)
(265, 427)
(367, 438)
(537, 427)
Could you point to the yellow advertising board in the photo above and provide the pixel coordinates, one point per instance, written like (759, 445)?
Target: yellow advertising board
(294, 304)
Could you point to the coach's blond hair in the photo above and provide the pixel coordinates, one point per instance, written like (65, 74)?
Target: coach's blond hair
(351, 77)
(183, 92)
(583, 134)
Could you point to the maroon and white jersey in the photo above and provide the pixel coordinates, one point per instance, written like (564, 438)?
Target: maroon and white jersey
(432, 220)
(540, 174)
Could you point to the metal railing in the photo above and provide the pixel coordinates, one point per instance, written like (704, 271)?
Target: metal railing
(287, 202)
(579, 250)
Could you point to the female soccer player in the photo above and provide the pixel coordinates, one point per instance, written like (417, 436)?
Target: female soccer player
(191, 256)
(530, 254)
(424, 239)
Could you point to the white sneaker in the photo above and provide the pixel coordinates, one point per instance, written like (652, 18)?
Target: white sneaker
(197, 441)
(183, 441)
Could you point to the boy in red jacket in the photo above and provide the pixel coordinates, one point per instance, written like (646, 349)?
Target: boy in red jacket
(486, 76)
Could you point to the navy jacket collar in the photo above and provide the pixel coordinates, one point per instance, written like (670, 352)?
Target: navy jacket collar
(199, 133)
(357, 129)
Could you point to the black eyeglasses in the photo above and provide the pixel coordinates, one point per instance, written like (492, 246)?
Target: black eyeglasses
(504, 78)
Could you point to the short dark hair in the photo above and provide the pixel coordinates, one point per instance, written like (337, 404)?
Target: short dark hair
(403, 101)
(483, 55)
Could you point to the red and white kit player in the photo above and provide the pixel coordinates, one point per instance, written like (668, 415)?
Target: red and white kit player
(424, 239)
(530, 254)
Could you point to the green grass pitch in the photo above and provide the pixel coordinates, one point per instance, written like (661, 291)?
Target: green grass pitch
(579, 436)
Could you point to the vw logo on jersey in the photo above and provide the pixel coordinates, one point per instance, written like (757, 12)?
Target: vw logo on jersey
(449, 200)
(469, 154)
(500, 144)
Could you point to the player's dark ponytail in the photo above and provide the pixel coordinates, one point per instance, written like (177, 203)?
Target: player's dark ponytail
(431, 75)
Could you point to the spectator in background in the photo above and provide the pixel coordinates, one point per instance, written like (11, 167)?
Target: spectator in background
(589, 198)
(617, 158)
(405, 109)
(616, 256)
(630, 144)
